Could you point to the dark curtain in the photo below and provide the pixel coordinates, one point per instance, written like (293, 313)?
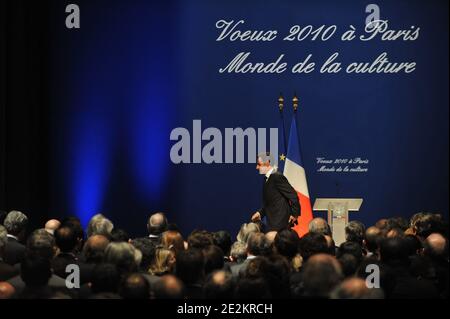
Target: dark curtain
(24, 108)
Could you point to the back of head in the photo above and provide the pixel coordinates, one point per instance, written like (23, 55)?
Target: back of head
(94, 248)
(172, 239)
(168, 287)
(200, 239)
(252, 288)
(15, 222)
(148, 249)
(157, 224)
(52, 225)
(372, 238)
(319, 226)
(355, 231)
(352, 248)
(99, 225)
(246, 230)
(321, 274)
(222, 239)
(74, 223)
(311, 244)
(190, 266)
(349, 264)
(238, 251)
(7, 290)
(105, 278)
(135, 286)
(124, 256)
(258, 245)
(219, 285)
(41, 243)
(355, 288)
(213, 258)
(436, 247)
(65, 239)
(394, 251)
(286, 243)
(35, 271)
(119, 235)
(3, 239)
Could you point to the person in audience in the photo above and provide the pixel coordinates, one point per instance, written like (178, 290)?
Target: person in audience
(322, 273)
(134, 286)
(222, 239)
(319, 226)
(172, 240)
(7, 290)
(156, 225)
(119, 235)
(124, 256)
(246, 230)
(15, 223)
(354, 232)
(169, 287)
(164, 262)
(6, 270)
(371, 240)
(257, 245)
(311, 244)
(355, 288)
(52, 225)
(35, 272)
(238, 252)
(66, 241)
(99, 225)
(200, 239)
(213, 258)
(219, 285)
(190, 269)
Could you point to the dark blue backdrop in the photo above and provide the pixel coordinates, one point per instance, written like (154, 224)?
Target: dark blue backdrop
(137, 69)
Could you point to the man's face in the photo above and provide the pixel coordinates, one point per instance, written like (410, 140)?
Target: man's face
(262, 167)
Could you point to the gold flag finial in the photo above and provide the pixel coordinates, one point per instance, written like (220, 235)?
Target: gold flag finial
(280, 102)
(295, 102)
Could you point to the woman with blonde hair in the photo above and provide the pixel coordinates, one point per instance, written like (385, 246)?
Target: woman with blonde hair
(163, 263)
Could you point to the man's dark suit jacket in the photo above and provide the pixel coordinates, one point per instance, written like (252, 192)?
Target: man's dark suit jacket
(280, 201)
(14, 251)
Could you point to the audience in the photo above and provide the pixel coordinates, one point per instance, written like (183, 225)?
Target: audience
(395, 258)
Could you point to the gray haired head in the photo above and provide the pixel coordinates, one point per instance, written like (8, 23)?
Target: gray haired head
(99, 225)
(238, 251)
(319, 226)
(123, 255)
(15, 222)
(266, 157)
(41, 243)
(246, 230)
(3, 238)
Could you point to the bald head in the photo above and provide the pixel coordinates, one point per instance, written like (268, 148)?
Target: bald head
(436, 246)
(52, 225)
(168, 287)
(6, 290)
(157, 224)
(372, 237)
(319, 226)
(94, 249)
(353, 288)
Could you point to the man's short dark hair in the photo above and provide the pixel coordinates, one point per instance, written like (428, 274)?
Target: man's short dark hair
(311, 244)
(35, 271)
(252, 288)
(200, 239)
(222, 239)
(105, 278)
(213, 258)
(148, 249)
(66, 239)
(286, 243)
(119, 235)
(394, 251)
(258, 245)
(349, 264)
(190, 266)
(74, 223)
(352, 248)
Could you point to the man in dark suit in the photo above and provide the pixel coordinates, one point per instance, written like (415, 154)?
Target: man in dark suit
(15, 223)
(281, 206)
(6, 271)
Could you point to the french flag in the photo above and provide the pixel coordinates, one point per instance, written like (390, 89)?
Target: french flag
(295, 174)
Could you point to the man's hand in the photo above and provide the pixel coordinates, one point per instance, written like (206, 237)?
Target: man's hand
(292, 220)
(256, 217)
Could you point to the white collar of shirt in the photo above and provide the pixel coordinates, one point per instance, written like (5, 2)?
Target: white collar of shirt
(251, 257)
(272, 170)
(152, 236)
(12, 236)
